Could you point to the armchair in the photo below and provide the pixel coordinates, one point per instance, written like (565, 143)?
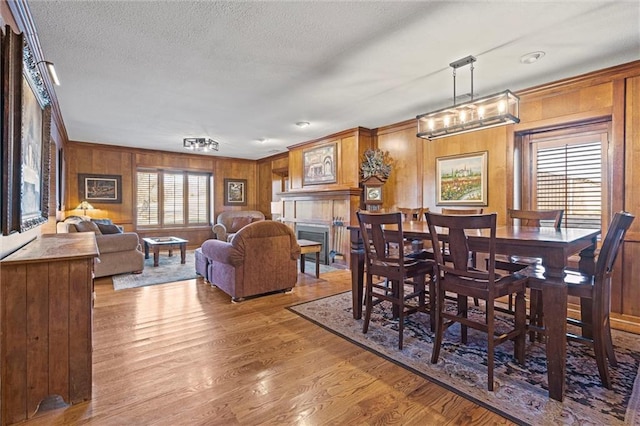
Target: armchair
(230, 222)
(261, 258)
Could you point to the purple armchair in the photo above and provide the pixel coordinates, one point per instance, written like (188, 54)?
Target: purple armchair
(261, 258)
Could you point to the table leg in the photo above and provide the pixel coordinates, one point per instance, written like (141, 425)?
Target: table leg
(554, 302)
(156, 255)
(317, 264)
(302, 263)
(183, 253)
(357, 272)
(146, 250)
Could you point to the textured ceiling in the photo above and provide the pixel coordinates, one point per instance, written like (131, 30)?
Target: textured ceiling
(149, 73)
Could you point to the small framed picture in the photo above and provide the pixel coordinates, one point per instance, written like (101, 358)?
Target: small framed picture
(100, 188)
(235, 192)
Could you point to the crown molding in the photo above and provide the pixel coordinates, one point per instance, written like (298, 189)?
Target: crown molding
(24, 21)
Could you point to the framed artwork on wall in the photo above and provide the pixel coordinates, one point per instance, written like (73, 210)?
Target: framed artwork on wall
(33, 145)
(100, 188)
(461, 180)
(235, 192)
(319, 165)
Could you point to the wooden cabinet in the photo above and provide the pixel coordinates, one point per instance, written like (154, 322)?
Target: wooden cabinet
(46, 307)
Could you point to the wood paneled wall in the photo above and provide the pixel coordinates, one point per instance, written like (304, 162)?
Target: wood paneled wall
(124, 161)
(350, 147)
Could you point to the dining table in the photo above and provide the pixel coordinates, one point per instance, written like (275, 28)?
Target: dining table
(553, 246)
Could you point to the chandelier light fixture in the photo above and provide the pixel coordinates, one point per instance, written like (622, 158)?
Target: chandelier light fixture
(200, 144)
(489, 111)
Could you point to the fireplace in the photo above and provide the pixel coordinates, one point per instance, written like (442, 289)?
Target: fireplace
(317, 233)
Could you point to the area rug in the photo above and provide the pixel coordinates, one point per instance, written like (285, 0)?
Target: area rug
(169, 269)
(520, 392)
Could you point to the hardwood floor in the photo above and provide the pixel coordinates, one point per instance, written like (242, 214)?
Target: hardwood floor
(183, 354)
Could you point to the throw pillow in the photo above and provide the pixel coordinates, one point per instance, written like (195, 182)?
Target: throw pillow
(88, 226)
(239, 223)
(108, 228)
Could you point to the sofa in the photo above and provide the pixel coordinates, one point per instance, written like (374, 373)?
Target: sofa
(261, 258)
(120, 252)
(228, 223)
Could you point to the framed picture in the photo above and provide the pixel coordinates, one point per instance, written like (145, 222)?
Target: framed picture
(35, 129)
(100, 188)
(319, 165)
(235, 192)
(461, 180)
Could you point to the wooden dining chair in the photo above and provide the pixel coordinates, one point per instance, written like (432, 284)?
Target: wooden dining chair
(532, 218)
(462, 279)
(594, 292)
(512, 263)
(384, 257)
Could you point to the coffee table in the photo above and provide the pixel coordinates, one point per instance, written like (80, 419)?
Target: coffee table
(155, 243)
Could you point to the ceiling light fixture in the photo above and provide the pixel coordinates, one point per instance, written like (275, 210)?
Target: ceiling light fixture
(200, 144)
(489, 111)
(303, 124)
(532, 57)
(52, 72)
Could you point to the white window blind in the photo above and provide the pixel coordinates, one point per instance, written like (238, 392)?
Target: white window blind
(173, 198)
(147, 199)
(198, 199)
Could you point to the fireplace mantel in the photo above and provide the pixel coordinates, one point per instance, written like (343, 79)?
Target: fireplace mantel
(335, 208)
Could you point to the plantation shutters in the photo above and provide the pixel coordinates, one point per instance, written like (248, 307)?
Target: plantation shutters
(173, 198)
(147, 199)
(567, 173)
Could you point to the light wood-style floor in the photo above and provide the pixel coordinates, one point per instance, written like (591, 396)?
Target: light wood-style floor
(183, 354)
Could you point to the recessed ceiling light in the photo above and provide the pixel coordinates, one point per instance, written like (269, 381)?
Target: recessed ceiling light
(303, 124)
(532, 57)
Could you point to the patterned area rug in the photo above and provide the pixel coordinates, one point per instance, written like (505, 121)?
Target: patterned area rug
(169, 269)
(520, 391)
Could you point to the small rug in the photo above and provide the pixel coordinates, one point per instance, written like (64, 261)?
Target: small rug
(169, 269)
(520, 392)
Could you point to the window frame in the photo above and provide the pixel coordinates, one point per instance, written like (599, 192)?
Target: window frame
(574, 133)
(160, 176)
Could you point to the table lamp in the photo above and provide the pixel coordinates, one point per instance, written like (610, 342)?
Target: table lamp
(276, 210)
(84, 206)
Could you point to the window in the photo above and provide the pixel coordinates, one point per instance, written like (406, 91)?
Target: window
(173, 198)
(567, 172)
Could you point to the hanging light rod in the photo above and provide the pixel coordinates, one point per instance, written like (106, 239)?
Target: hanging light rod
(200, 144)
(483, 113)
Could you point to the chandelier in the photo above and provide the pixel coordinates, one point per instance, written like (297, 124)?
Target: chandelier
(200, 144)
(489, 111)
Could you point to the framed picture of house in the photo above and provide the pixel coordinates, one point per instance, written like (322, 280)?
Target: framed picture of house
(319, 165)
(461, 180)
(235, 192)
(100, 188)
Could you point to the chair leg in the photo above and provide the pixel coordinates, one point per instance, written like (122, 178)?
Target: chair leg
(432, 304)
(611, 355)
(439, 324)
(535, 314)
(463, 307)
(601, 356)
(490, 320)
(520, 324)
(368, 302)
(399, 294)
